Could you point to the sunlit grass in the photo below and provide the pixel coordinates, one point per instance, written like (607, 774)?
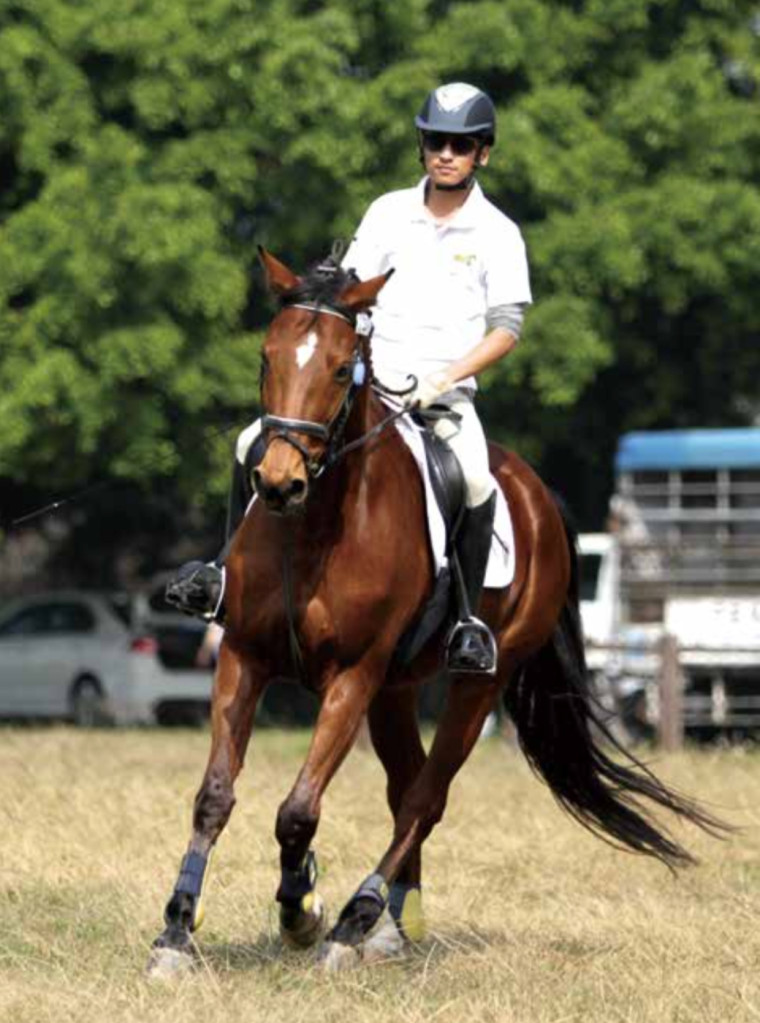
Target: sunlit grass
(531, 919)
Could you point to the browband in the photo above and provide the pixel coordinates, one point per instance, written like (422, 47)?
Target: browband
(316, 308)
(361, 322)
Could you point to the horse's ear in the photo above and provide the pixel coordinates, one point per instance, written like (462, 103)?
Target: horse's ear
(362, 295)
(279, 278)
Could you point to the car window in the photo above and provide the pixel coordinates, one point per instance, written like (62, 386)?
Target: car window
(49, 619)
(70, 618)
(29, 622)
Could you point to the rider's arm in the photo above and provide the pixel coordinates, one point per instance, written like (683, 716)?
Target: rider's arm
(506, 323)
(507, 296)
(495, 345)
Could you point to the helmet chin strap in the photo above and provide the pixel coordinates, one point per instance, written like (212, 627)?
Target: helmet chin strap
(461, 186)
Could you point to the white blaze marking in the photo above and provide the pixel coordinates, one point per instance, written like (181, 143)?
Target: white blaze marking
(305, 351)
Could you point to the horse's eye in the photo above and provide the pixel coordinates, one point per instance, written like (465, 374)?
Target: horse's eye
(343, 373)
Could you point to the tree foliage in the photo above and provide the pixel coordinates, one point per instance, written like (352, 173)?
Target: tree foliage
(146, 148)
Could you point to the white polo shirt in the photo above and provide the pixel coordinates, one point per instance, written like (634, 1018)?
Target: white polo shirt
(447, 276)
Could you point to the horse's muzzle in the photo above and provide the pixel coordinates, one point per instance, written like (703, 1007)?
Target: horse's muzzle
(282, 497)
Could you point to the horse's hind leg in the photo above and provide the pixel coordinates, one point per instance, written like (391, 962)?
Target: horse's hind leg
(395, 733)
(469, 703)
(237, 688)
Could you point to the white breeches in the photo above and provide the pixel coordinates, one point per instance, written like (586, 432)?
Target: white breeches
(468, 442)
(246, 439)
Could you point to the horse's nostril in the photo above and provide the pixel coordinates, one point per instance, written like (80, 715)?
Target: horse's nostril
(298, 488)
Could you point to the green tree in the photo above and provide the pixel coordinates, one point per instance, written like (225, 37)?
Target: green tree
(145, 149)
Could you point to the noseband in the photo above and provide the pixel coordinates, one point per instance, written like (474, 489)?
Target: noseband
(282, 428)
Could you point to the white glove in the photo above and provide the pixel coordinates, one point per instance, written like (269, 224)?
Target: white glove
(429, 389)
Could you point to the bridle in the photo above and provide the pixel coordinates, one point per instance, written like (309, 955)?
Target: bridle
(331, 432)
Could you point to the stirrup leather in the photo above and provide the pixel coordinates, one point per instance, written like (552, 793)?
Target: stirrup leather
(471, 648)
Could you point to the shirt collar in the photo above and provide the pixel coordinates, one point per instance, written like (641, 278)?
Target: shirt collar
(467, 215)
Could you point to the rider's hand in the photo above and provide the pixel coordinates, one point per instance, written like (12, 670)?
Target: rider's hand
(429, 389)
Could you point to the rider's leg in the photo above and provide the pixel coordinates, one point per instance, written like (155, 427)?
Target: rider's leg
(471, 646)
(197, 588)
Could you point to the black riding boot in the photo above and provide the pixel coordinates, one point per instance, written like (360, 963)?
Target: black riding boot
(197, 588)
(470, 646)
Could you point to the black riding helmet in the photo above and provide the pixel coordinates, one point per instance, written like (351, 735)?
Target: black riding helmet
(459, 109)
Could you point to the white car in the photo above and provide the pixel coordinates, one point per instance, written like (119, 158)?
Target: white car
(73, 654)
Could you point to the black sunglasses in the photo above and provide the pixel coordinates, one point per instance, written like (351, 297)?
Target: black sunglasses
(460, 145)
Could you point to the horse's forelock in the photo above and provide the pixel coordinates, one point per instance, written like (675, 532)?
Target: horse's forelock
(323, 284)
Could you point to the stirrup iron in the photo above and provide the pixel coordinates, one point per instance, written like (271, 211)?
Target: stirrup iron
(471, 648)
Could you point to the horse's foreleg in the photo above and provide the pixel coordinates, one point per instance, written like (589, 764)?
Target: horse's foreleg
(343, 706)
(395, 733)
(469, 703)
(237, 688)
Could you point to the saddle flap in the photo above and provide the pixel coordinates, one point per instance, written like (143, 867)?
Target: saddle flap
(447, 481)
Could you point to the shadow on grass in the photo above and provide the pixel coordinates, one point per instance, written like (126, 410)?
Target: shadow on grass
(267, 951)
(243, 956)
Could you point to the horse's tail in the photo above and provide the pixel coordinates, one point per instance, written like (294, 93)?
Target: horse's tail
(560, 727)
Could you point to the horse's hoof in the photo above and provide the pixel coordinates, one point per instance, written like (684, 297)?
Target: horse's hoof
(384, 941)
(308, 928)
(335, 957)
(168, 963)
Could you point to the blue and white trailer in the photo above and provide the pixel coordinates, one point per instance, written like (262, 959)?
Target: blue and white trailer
(683, 557)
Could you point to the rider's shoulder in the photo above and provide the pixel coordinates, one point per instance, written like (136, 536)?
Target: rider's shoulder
(400, 200)
(497, 219)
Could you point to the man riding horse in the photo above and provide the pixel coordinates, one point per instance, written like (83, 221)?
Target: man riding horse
(294, 594)
(453, 308)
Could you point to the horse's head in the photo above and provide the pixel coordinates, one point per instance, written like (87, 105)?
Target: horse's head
(313, 364)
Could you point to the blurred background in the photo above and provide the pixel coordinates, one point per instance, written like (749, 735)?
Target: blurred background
(146, 149)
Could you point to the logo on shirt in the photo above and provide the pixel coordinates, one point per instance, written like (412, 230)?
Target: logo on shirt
(468, 258)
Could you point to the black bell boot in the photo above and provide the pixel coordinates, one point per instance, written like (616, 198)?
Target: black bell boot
(470, 645)
(198, 590)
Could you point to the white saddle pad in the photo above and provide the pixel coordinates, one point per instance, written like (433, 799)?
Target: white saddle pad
(501, 561)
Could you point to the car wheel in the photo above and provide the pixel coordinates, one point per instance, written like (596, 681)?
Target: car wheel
(88, 708)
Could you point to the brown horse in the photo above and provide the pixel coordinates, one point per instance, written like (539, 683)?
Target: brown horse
(326, 573)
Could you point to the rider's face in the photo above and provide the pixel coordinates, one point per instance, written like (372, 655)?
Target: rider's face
(448, 160)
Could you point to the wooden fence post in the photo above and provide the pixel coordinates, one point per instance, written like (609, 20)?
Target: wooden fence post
(670, 684)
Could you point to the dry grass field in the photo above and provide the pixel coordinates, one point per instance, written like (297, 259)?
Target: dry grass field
(531, 919)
